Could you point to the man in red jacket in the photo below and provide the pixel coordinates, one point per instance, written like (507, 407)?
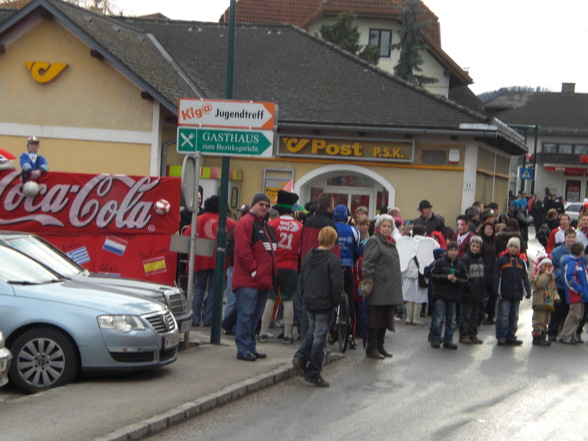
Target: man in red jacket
(254, 273)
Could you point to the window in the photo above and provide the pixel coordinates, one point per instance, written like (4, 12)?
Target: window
(581, 149)
(434, 157)
(566, 149)
(382, 39)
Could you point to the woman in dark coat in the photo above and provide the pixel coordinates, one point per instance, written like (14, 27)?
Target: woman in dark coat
(487, 232)
(382, 284)
(512, 229)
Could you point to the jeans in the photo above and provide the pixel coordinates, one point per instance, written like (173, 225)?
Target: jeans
(507, 319)
(312, 347)
(230, 315)
(203, 279)
(443, 313)
(250, 306)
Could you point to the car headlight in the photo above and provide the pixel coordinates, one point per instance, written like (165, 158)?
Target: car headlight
(122, 323)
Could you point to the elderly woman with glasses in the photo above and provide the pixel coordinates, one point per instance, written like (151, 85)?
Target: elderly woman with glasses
(382, 285)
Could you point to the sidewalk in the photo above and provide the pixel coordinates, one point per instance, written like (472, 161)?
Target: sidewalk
(132, 406)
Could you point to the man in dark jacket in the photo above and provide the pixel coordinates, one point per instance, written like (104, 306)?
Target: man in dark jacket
(254, 273)
(448, 277)
(322, 285)
(428, 219)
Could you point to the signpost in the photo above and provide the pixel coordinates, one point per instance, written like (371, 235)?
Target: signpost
(226, 142)
(526, 173)
(227, 113)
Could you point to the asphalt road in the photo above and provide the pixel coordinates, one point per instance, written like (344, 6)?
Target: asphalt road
(477, 392)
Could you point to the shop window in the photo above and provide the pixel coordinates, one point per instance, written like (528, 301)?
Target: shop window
(382, 39)
(549, 148)
(434, 157)
(581, 149)
(565, 149)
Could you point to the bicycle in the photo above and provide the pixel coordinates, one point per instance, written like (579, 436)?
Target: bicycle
(341, 329)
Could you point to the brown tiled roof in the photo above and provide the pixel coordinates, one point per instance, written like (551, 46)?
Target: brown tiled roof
(302, 12)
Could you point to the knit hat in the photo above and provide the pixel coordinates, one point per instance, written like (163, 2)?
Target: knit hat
(514, 242)
(439, 252)
(340, 213)
(260, 197)
(477, 239)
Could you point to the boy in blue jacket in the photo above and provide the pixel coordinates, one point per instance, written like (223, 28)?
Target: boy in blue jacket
(576, 293)
(511, 283)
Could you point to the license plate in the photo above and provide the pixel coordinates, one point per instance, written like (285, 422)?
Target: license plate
(171, 340)
(185, 326)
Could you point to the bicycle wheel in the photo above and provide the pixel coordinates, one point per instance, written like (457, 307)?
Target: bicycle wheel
(343, 323)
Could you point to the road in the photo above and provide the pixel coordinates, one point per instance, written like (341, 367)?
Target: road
(477, 392)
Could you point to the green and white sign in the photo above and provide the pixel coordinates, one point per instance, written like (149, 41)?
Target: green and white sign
(227, 142)
(186, 140)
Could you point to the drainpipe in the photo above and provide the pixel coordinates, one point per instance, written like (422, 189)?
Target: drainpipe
(164, 148)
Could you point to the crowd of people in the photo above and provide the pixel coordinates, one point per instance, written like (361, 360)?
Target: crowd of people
(292, 262)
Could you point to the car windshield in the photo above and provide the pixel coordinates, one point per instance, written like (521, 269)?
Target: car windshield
(17, 268)
(46, 254)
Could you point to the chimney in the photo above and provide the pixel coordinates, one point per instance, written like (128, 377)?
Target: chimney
(568, 88)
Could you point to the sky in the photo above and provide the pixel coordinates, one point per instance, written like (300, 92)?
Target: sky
(501, 43)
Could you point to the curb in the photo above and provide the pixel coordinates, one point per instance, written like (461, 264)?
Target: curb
(192, 409)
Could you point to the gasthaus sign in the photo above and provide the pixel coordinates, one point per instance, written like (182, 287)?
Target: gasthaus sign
(344, 148)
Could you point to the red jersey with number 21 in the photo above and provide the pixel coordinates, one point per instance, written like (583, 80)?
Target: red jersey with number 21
(288, 233)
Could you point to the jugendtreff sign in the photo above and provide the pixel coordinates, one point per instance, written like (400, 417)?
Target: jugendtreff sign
(227, 113)
(107, 223)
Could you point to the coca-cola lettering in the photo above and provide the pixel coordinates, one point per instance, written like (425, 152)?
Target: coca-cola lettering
(99, 201)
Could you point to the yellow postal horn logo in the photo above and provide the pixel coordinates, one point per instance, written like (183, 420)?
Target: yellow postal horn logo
(44, 72)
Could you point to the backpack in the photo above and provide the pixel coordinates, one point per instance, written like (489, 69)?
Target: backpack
(543, 234)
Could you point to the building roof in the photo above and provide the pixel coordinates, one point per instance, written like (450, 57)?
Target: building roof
(303, 12)
(314, 83)
(555, 112)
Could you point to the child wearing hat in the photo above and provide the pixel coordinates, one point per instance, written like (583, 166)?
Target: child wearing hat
(31, 163)
(511, 283)
(473, 292)
(544, 298)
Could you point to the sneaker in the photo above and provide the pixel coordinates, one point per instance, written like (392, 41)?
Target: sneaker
(435, 344)
(567, 342)
(450, 345)
(476, 341)
(317, 382)
(263, 338)
(514, 342)
(352, 343)
(579, 339)
(287, 340)
(299, 366)
(465, 341)
(500, 342)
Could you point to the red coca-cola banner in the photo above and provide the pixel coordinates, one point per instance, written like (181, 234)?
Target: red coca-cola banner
(107, 223)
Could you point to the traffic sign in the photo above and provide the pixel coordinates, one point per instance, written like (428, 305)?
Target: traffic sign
(526, 173)
(186, 140)
(227, 113)
(227, 142)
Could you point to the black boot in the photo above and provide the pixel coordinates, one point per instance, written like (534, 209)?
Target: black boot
(371, 351)
(380, 343)
(540, 338)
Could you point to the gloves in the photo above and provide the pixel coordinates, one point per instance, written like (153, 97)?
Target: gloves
(35, 174)
(366, 288)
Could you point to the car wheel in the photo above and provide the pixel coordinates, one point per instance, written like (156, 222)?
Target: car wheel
(43, 358)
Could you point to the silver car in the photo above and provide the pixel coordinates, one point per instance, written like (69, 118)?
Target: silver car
(46, 254)
(56, 327)
(5, 357)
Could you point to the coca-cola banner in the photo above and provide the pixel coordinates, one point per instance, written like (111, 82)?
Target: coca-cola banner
(110, 224)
